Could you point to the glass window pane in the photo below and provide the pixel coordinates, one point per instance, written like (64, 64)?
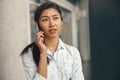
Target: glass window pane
(66, 33)
(33, 25)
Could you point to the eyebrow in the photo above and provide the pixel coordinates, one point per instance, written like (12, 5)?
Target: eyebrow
(52, 15)
(43, 16)
(55, 15)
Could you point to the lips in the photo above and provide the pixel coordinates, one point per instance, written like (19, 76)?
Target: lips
(52, 31)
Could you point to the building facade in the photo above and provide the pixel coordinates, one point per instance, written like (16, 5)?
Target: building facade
(17, 29)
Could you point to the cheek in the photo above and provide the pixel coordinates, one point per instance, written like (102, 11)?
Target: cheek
(42, 26)
(60, 24)
(60, 28)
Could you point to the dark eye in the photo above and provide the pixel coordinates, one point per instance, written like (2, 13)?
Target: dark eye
(56, 18)
(44, 20)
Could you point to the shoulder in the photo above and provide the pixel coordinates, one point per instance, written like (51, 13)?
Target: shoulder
(74, 53)
(26, 54)
(73, 50)
(30, 53)
(27, 49)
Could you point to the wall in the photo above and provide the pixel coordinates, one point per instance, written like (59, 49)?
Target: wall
(14, 34)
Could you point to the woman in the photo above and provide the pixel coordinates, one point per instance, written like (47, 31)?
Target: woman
(48, 58)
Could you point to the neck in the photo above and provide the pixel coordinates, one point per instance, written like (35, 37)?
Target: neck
(51, 44)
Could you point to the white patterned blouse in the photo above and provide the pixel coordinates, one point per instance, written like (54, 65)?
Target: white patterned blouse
(64, 65)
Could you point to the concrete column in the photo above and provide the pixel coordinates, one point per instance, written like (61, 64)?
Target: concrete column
(14, 35)
(84, 38)
(84, 30)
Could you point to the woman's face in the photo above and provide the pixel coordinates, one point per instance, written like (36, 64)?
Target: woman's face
(50, 22)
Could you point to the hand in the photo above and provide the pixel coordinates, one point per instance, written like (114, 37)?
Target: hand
(40, 42)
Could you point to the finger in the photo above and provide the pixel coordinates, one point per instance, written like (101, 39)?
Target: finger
(39, 35)
(41, 39)
(40, 32)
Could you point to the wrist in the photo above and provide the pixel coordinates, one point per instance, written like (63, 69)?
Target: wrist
(43, 53)
(43, 56)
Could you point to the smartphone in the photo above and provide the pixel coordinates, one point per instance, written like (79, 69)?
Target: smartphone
(38, 29)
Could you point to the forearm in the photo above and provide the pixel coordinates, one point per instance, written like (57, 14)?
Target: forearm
(42, 66)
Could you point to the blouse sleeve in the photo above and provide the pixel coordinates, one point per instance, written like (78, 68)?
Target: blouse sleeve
(77, 73)
(30, 67)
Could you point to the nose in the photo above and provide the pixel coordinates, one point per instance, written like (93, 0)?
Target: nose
(52, 23)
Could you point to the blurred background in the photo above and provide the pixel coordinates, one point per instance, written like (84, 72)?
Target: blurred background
(104, 18)
(92, 26)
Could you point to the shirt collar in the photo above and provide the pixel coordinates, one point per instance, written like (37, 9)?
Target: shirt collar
(60, 45)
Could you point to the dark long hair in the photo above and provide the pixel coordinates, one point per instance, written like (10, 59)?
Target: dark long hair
(38, 12)
(35, 52)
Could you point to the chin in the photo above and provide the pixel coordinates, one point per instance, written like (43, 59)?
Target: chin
(53, 36)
